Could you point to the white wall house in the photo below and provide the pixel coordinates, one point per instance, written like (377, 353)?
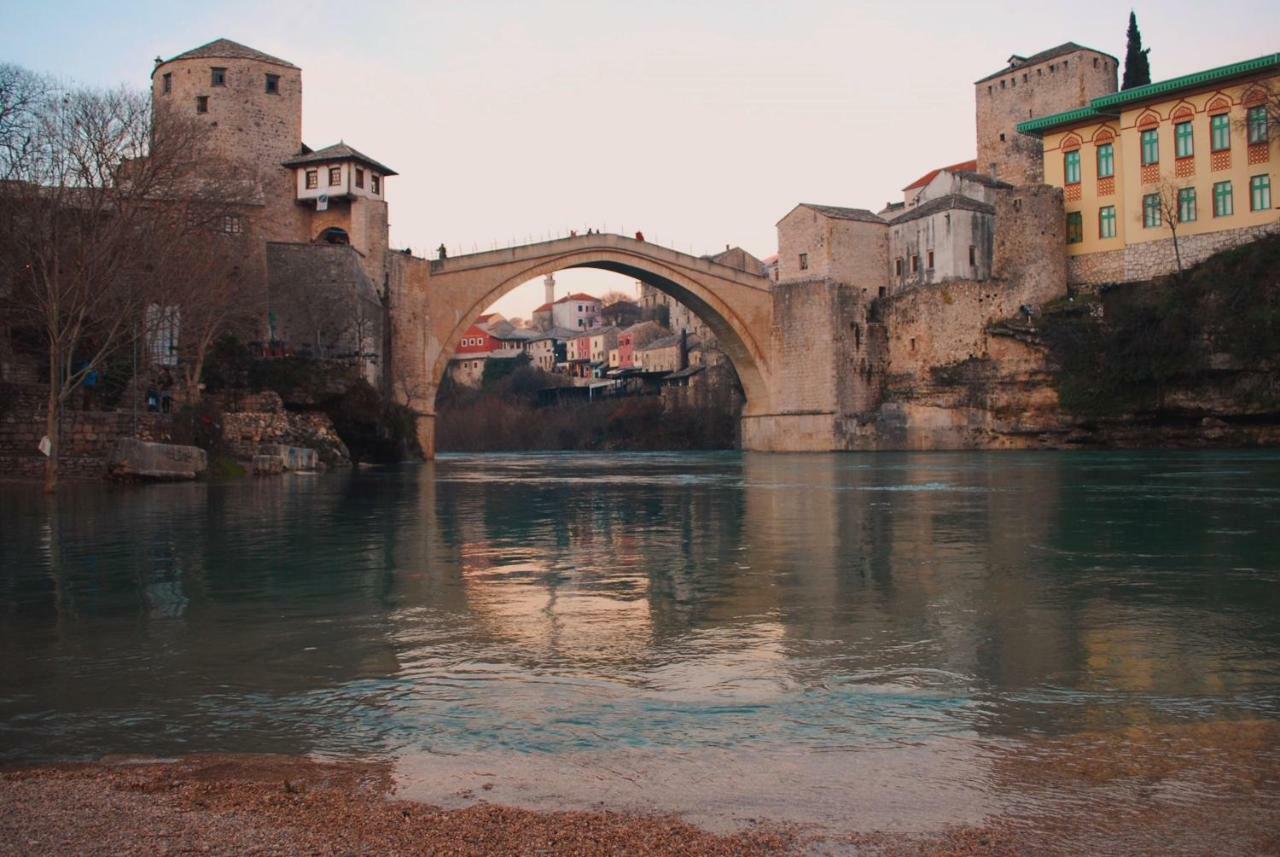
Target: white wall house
(576, 312)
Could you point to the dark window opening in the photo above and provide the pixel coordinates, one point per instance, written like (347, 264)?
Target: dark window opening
(882, 291)
(915, 263)
(219, 77)
(930, 260)
(168, 82)
(804, 261)
(359, 177)
(335, 235)
(973, 255)
(273, 84)
(202, 104)
(375, 184)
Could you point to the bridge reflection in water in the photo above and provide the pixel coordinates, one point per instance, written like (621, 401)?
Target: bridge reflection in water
(671, 613)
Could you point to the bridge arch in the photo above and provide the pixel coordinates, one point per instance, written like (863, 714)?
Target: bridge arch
(735, 305)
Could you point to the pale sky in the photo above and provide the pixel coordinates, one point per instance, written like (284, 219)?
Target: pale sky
(700, 123)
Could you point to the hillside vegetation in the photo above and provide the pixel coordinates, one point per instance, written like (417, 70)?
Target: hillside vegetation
(1206, 341)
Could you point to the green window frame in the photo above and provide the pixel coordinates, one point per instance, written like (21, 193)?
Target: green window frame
(1106, 161)
(1075, 227)
(1107, 221)
(1220, 132)
(1150, 147)
(1151, 211)
(1184, 144)
(1187, 205)
(1260, 193)
(1223, 203)
(1071, 167)
(1256, 119)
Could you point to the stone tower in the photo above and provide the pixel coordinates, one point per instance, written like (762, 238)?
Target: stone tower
(549, 287)
(1053, 81)
(252, 103)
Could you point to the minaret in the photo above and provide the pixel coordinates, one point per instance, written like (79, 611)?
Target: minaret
(549, 283)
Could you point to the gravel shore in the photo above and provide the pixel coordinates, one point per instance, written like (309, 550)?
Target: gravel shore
(1204, 789)
(286, 806)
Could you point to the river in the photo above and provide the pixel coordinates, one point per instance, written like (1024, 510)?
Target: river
(730, 636)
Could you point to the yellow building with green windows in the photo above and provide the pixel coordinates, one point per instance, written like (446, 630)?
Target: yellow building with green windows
(1200, 153)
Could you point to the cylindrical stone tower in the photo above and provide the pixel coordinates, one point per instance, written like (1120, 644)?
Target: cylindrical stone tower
(252, 103)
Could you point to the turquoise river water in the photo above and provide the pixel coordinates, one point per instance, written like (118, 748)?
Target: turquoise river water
(727, 635)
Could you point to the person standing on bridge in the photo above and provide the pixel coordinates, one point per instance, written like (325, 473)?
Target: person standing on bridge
(639, 236)
(443, 253)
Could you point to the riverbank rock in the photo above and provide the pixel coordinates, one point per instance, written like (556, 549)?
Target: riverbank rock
(139, 459)
(268, 465)
(254, 422)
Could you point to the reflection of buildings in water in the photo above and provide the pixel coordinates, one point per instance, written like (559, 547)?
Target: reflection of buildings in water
(910, 560)
(546, 615)
(891, 562)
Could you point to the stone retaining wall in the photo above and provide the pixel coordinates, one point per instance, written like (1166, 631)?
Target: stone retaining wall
(87, 436)
(1156, 258)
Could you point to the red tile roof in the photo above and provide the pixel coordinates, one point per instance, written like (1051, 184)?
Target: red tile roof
(578, 297)
(962, 167)
(544, 308)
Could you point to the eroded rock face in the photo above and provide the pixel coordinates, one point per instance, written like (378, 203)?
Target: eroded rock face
(140, 459)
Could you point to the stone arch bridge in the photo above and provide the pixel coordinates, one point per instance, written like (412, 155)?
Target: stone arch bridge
(787, 342)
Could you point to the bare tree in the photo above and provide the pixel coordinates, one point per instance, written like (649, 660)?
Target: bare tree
(1168, 195)
(209, 289)
(93, 187)
(1270, 105)
(614, 296)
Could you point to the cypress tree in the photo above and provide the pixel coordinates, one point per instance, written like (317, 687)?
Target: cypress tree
(1137, 71)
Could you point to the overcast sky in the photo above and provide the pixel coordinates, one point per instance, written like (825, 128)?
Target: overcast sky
(700, 123)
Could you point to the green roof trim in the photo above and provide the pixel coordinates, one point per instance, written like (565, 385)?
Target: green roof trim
(1110, 105)
(1034, 126)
